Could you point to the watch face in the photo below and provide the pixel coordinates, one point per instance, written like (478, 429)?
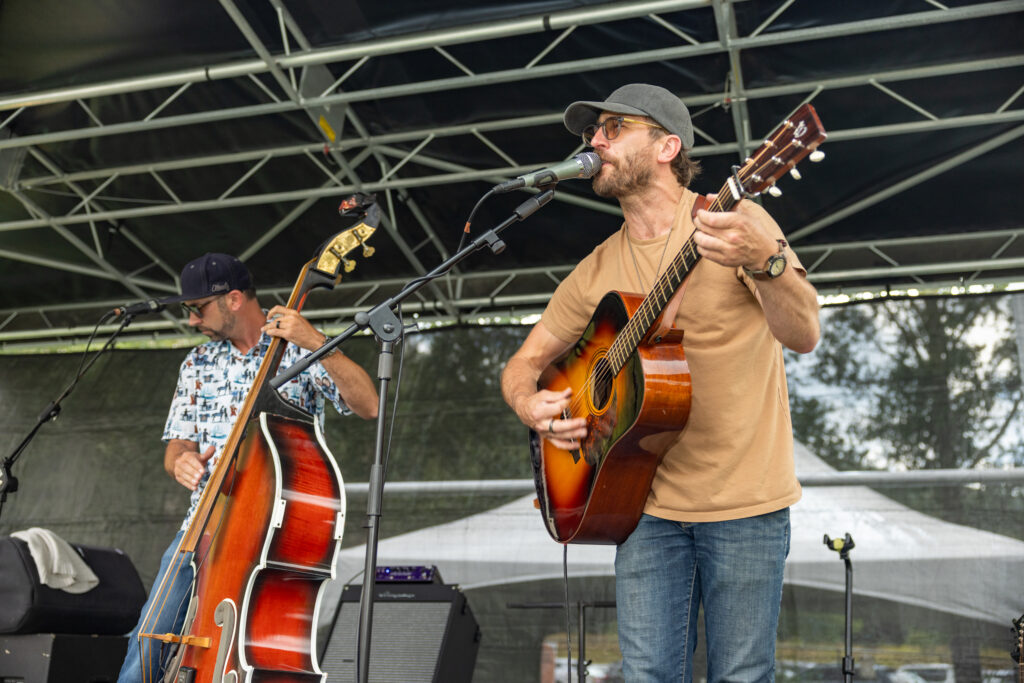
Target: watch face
(776, 264)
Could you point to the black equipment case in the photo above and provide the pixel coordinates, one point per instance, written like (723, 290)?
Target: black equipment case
(27, 606)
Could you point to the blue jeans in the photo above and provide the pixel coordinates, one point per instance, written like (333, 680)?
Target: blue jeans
(170, 620)
(665, 570)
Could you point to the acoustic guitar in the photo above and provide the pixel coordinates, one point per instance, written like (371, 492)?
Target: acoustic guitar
(630, 380)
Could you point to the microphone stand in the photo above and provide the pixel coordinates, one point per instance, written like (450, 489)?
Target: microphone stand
(8, 482)
(388, 329)
(843, 546)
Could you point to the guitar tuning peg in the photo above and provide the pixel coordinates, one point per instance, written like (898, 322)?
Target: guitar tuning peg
(795, 173)
(350, 265)
(816, 156)
(774, 191)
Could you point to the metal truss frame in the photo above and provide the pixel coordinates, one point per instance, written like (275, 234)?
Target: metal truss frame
(298, 79)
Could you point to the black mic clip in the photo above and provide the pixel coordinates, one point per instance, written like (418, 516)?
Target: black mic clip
(543, 175)
(8, 482)
(843, 546)
(148, 306)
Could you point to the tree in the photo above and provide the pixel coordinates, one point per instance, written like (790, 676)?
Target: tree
(916, 384)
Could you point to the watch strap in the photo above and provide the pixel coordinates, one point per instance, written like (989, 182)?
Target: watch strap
(765, 273)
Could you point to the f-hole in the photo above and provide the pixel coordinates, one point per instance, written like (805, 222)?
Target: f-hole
(600, 384)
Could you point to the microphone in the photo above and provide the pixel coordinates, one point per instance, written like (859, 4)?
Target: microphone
(148, 306)
(583, 165)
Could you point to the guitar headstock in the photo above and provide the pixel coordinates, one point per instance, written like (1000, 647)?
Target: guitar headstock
(333, 254)
(795, 138)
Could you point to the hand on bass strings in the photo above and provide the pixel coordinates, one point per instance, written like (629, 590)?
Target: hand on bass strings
(189, 467)
(542, 412)
(288, 324)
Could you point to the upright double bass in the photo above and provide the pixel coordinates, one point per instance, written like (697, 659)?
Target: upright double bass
(268, 525)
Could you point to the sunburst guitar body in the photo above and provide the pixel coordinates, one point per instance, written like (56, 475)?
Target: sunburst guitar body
(596, 493)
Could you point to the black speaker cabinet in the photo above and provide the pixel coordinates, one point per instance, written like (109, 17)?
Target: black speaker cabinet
(61, 658)
(422, 632)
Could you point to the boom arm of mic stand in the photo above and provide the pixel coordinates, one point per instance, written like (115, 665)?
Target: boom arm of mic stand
(8, 482)
(381, 318)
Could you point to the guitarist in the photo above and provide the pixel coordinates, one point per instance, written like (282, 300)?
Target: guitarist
(218, 296)
(715, 529)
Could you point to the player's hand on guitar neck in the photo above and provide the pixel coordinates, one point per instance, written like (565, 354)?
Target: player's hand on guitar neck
(542, 412)
(735, 238)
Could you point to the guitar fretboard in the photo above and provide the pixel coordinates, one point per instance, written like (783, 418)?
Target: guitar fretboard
(661, 292)
(794, 139)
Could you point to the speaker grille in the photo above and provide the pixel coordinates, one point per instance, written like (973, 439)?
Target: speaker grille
(405, 645)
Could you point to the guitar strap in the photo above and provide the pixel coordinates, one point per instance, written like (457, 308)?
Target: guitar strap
(667, 319)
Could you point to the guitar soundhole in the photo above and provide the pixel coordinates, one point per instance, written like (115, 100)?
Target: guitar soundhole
(601, 383)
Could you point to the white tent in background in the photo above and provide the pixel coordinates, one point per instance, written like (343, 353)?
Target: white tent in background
(900, 554)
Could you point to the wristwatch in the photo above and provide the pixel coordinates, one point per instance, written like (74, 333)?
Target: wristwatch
(773, 267)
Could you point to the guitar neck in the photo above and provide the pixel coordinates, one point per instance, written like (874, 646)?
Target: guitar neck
(661, 293)
(796, 137)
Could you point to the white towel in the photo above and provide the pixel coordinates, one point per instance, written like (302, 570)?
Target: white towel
(59, 565)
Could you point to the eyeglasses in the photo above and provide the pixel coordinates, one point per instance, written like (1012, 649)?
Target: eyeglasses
(612, 126)
(197, 309)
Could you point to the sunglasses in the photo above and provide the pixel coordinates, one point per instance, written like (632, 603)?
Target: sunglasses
(612, 126)
(197, 309)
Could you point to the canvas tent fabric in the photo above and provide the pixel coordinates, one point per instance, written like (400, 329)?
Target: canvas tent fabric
(134, 136)
(900, 555)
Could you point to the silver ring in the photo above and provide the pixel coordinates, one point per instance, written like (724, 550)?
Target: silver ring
(551, 426)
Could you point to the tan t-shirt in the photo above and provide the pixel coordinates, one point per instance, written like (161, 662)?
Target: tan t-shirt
(734, 458)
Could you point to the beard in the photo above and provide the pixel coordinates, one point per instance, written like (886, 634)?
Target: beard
(632, 175)
(214, 335)
(227, 323)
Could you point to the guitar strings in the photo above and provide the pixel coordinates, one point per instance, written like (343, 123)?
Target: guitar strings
(631, 332)
(634, 330)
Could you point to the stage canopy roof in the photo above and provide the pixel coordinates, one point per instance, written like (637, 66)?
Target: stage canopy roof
(135, 136)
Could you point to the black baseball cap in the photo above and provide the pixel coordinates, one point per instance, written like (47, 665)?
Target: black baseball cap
(638, 99)
(211, 274)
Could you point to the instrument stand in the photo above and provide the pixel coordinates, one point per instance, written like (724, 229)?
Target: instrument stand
(8, 482)
(843, 546)
(388, 329)
(581, 614)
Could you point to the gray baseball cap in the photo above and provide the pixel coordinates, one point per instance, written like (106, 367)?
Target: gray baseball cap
(638, 99)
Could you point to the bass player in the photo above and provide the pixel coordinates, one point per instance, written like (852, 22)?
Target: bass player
(218, 296)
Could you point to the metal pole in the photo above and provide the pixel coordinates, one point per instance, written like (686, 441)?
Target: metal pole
(843, 546)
